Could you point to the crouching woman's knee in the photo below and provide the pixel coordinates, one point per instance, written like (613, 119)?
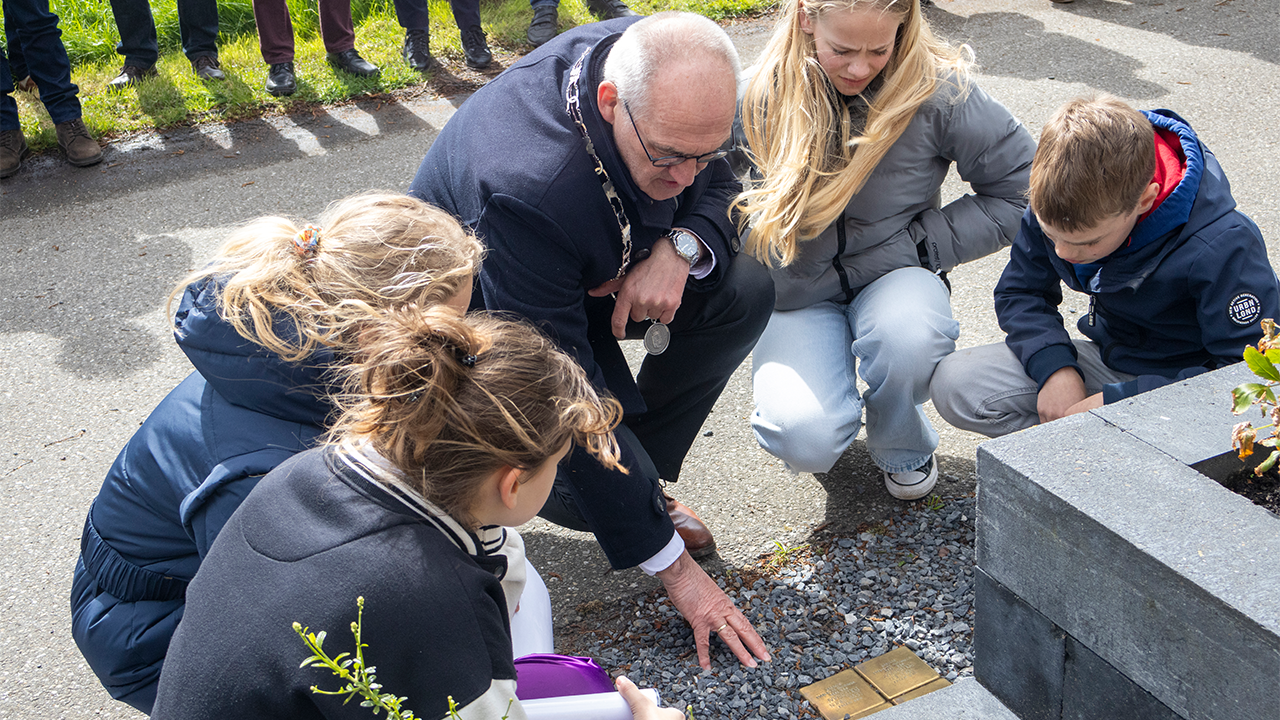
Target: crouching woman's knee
(806, 442)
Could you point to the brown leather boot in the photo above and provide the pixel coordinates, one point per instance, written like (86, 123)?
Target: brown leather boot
(77, 144)
(696, 534)
(13, 150)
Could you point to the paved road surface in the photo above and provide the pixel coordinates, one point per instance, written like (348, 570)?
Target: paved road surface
(88, 256)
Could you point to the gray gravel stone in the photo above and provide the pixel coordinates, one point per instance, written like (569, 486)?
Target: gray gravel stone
(851, 599)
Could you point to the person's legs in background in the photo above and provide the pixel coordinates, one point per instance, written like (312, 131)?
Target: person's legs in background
(137, 41)
(198, 26)
(339, 34)
(275, 40)
(41, 41)
(545, 22)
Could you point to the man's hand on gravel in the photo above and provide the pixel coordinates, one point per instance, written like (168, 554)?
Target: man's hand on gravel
(707, 609)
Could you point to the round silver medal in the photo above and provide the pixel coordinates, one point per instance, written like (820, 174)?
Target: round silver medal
(656, 338)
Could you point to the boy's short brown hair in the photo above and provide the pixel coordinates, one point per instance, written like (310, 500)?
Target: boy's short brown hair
(1096, 156)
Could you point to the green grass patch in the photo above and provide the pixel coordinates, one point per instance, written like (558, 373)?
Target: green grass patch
(177, 97)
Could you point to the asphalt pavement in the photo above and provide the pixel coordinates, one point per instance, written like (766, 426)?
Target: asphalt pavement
(88, 256)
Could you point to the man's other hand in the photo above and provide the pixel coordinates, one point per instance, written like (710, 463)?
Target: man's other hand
(652, 288)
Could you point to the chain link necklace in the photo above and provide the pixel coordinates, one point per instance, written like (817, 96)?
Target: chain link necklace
(574, 109)
(658, 336)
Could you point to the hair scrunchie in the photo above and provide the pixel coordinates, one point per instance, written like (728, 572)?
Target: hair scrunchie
(306, 240)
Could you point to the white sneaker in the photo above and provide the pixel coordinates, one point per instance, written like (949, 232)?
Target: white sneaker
(912, 484)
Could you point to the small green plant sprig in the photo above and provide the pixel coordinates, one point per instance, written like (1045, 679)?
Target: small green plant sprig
(1262, 361)
(360, 678)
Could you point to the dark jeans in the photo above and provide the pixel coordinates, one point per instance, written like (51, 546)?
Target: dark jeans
(275, 29)
(712, 333)
(413, 15)
(197, 24)
(33, 30)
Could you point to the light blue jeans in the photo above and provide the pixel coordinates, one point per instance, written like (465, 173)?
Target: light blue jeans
(893, 334)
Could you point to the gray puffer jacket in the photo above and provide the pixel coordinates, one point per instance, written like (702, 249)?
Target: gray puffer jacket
(897, 220)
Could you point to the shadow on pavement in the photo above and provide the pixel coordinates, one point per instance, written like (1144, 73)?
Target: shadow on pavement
(1027, 51)
(74, 293)
(158, 159)
(1247, 26)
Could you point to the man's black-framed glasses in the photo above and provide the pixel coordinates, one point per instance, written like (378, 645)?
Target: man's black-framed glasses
(670, 160)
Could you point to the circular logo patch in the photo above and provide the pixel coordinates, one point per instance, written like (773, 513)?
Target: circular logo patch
(1244, 309)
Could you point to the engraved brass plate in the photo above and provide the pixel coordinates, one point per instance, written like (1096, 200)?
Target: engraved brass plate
(864, 713)
(896, 672)
(925, 689)
(845, 693)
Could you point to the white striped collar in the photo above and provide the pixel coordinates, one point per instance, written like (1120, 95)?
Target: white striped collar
(366, 462)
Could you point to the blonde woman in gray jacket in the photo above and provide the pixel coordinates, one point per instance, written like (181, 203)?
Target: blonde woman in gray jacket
(852, 120)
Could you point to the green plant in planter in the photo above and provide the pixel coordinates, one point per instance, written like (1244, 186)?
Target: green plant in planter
(1262, 360)
(360, 678)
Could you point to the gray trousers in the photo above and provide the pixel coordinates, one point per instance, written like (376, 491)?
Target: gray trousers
(985, 389)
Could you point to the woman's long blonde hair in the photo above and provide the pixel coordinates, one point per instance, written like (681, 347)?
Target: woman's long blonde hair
(448, 401)
(809, 158)
(375, 251)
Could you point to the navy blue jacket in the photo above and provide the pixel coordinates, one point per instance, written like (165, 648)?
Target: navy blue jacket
(1185, 299)
(511, 164)
(173, 486)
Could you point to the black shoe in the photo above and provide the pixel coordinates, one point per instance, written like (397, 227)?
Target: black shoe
(130, 75)
(610, 9)
(350, 61)
(475, 51)
(417, 51)
(207, 68)
(280, 79)
(545, 24)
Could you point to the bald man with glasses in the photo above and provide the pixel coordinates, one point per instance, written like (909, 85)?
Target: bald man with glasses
(593, 172)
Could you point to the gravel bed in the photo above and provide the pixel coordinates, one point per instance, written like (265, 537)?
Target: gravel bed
(820, 609)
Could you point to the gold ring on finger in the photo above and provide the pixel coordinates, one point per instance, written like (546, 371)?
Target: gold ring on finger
(721, 628)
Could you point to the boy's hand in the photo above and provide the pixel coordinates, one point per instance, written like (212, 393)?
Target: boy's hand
(1093, 402)
(1060, 394)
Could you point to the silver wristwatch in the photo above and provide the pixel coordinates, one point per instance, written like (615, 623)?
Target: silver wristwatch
(687, 245)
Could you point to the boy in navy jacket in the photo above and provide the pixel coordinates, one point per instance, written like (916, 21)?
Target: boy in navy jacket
(1130, 208)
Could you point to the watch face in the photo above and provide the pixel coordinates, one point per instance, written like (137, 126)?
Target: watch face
(686, 245)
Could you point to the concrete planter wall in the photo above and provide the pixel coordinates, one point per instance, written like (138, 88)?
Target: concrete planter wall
(1117, 581)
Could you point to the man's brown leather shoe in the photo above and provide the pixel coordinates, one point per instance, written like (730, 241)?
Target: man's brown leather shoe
(696, 535)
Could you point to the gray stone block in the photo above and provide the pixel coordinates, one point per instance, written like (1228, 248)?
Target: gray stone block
(1161, 572)
(1092, 689)
(1189, 420)
(965, 700)
(1018, 653)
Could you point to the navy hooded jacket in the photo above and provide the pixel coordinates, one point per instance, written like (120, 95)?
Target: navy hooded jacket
(1183, 299)
(177, 481)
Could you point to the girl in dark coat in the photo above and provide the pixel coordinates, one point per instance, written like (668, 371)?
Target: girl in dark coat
(454, 429)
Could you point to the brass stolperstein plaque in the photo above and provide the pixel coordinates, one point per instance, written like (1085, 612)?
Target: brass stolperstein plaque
(879, 683)
(896, 672)
(844, 693)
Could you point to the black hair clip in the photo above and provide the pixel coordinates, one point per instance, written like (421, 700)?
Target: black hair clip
(468, 360)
